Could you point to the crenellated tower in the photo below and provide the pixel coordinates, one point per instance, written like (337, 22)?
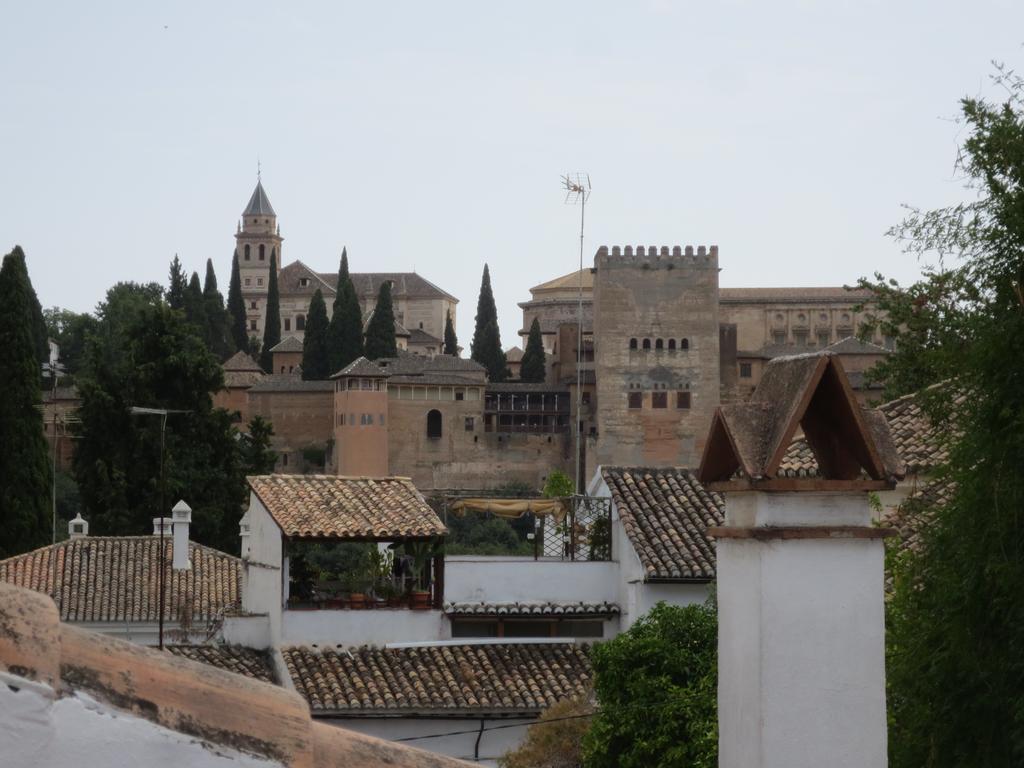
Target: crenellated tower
(257, 237)
(656, 342)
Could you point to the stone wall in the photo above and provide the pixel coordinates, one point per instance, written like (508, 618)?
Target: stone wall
(657, 298)
(300, 420)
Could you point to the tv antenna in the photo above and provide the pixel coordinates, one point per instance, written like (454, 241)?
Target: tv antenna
(577, 190)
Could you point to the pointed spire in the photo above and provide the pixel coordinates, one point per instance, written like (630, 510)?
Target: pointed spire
(259, 203)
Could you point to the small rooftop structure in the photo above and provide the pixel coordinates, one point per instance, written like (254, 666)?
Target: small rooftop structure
(350, 508)
(808, 392)
(287, 344)
(362, 368)
(259, 203)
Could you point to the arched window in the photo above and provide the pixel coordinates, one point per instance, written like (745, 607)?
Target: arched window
(247, 253)
(659, 344)
(262, 255)
(684, 343)
(647, 343)
(632, 343)
(300, 322)
(672, 344)
(434, 423)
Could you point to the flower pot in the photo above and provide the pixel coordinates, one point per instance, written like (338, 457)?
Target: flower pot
(334, 603)
(420, 600)
(357, 601)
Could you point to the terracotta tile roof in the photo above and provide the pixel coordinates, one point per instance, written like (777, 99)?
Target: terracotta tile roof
(568, 282)
(916, 512)
(514, 355)
(290, 278)
(406, 285)
(851, 345)
(247, 662)
(287, 344)
(115, 578)
(361, 367)
(666, 513)
(325, 506)
(240, 361)
(419, 336)
(449, 679)
(227, 713)
(531, 609)
(290, 382)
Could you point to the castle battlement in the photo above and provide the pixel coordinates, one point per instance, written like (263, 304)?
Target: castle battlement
(651, 255)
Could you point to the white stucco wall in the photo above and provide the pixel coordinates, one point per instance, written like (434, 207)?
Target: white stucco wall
(473, 579)
(493, 744)
(801, 638)
(262, 583)
(250, 631)
(38, 730)
(373, 627)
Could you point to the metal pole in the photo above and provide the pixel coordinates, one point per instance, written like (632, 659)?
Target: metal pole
(53, 488)
(579, 351)
(160, 562)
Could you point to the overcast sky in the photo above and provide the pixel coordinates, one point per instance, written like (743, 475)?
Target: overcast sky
(431, 136)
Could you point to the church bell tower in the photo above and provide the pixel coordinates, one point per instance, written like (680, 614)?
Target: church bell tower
(257, 237)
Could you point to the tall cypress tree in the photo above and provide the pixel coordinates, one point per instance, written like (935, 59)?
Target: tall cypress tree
(236, 308)
(486, 346)
(533, 365)
(272, 318)
(195, 307)
(451, 341)
(176, 285)
(380, 333)
(217, 324)
(345, 333)
(24, 463)
(315, 365)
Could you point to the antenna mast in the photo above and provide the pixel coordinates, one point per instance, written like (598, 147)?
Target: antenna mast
(577, 190)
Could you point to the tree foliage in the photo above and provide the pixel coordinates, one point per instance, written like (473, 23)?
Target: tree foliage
(70, 330)
(956, 620)
(195, 308)
(24, 461)
(380, 333)
(257, 456)
(532, 369)
(556, 741)
(146, 354)
(272, 317)
(218, 323)
(656, 687)
(177, 285)
(451, 341)
(315, 365)
(236, 309)
(345, 332)
(486, 346)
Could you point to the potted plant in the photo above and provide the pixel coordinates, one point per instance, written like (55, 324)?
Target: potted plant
(356, 587)
(421, 553)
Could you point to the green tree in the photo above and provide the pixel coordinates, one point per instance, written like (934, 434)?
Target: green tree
(70, 330)
(40, 332)
(236, 310)
(345, 332)
(195, 307)
(380, 333)
(146, 354)
(257, 457)
(558, 485)
(272, 317)
(656, 687)
(315, 364)
(486, 346)
(956, 619)
(24, 461)
(177, 285)
(532, 369)
(218, 326)
(451, 341)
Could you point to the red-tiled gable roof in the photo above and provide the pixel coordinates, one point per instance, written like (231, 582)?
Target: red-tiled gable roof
(666, 513)
(287, 344)
(115, 578)
(445, 679)
(247, 662)
(325, 506)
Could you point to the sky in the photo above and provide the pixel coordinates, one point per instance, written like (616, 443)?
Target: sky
(431, 137)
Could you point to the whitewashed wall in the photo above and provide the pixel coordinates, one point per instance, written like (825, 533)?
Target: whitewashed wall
(38, 730)
(262, 582)
(372, 627)
(474, 579)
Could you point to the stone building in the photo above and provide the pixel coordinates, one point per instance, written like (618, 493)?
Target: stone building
(419, 304)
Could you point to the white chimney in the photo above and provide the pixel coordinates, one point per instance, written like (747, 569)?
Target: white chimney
(78, 528)
(181, 517)
(243, 533)
(159, 522)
